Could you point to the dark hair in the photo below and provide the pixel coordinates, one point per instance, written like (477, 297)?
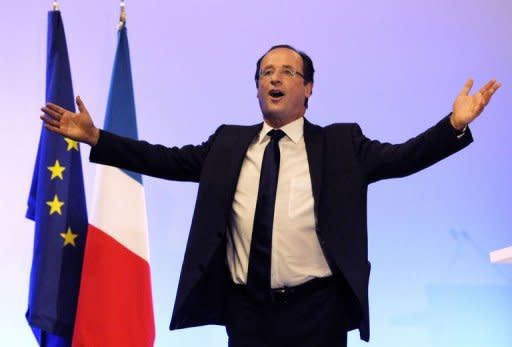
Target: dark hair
(307, 66)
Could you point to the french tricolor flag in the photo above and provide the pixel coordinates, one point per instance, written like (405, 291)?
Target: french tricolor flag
(115, 304)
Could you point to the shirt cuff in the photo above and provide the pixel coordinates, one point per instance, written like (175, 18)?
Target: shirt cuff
(460, 133)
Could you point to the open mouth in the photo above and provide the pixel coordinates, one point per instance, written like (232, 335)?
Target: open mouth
(274, 93)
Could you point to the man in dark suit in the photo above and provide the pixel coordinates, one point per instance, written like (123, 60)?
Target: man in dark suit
(283, 262)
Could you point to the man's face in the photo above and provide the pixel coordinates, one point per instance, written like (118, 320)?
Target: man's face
(280, 95)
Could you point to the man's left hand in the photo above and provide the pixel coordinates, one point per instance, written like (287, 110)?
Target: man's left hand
(467, 107)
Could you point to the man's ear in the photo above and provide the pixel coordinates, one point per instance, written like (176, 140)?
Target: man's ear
(257, 89)
(308, 89)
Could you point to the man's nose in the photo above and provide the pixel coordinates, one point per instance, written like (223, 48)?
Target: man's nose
(275, 80)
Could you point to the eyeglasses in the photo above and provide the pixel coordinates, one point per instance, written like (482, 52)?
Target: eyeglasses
(285, 72)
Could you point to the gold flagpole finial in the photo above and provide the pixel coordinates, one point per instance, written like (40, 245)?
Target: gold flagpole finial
(122, 16)
(55, 5)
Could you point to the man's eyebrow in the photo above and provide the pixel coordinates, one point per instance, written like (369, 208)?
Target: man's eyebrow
(271, 66)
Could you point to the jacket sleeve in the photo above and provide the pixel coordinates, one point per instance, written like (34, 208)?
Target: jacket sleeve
(384, 160)
(173, 163)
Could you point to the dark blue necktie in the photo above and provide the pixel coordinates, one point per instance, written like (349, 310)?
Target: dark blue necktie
(258, 274)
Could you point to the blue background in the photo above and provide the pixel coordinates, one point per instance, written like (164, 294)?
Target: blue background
(393, 66)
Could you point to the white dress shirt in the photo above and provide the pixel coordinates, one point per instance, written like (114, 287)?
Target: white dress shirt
(296, 253)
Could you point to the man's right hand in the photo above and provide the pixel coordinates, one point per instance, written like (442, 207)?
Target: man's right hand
(76, 126)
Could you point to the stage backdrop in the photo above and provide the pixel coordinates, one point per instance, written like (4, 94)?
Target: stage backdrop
(393, 66)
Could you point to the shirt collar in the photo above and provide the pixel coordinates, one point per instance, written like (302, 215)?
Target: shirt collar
(293, 130)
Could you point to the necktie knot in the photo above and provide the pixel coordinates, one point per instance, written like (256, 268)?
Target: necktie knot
(276, 135)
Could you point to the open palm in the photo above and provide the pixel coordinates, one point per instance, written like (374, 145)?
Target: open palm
(467, 107)
(77, 126)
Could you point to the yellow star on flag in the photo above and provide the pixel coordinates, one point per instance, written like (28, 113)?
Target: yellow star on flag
(69, 237)
(56, 170)
(55, 205)
(71, 144)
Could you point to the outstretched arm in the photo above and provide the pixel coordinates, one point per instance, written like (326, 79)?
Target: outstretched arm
(77, 126)
(384, 160)
(182, 164)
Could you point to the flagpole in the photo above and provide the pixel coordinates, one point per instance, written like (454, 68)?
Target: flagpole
(122, 16)
(55, 5)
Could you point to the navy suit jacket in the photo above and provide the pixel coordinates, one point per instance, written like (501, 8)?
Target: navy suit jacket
(342, 162)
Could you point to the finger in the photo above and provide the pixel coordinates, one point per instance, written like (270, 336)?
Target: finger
(81, 105)
(487, 87)
(467, 87)
(491, 90)
(54, 129)
(495, 87)
(49, 120)
(56, 108)
(52, 113)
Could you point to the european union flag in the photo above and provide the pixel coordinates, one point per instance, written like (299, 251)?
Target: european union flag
(57, 206)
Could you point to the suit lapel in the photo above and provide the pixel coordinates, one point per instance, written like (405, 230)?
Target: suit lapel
(314, 148)
(237, 147)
